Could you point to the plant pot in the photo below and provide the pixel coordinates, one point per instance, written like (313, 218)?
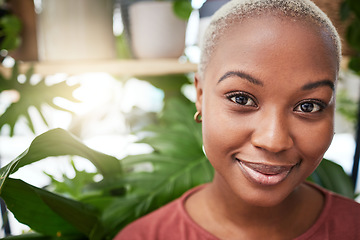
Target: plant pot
(75, 30)
(155, 31)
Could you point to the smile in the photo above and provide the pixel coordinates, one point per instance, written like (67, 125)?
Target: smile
(264, 174)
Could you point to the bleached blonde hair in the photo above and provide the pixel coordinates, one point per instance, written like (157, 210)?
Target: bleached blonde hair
(236, 11)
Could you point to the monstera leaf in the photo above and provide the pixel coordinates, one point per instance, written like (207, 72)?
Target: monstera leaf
(30, 94)
(49, 213)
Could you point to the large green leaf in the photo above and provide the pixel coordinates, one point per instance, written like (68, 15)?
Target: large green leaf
(176, 165)
(37, 236)
(333, 177)
(58, 142)
(31, 94)
(48, 213)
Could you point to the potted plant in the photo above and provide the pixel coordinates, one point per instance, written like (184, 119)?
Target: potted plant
(75, 30)
(156, 29)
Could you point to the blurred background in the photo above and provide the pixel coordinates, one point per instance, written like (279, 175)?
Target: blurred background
(104, 69)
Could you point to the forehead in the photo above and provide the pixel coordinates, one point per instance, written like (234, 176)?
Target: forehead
(268, 42)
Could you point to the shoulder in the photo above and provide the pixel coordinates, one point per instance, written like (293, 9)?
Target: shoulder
(164, 223)
(344, 207)
(340, 218)
(149, 226)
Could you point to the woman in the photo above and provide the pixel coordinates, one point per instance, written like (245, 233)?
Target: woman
(266, 99)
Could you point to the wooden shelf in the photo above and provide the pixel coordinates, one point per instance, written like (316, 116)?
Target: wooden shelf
(113, 67)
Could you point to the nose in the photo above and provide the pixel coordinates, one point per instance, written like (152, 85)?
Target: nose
(272, 133)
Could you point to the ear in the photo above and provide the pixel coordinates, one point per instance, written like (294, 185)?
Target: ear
(199, 92)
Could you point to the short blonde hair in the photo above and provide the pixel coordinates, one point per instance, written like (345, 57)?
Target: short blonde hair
(237, 11)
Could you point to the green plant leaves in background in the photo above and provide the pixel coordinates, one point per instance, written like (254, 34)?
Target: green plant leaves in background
(58, 142)
(30, 94)
(333, 177)
(10, 27)
(176, 165)
(182, 9)
(26, 201)
(350, 10)
(46, 212)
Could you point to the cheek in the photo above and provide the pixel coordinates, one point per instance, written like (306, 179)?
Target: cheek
(222, 134)
(314, 142)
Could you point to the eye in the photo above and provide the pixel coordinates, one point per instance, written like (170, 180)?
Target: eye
(310, 107)
(242, 99)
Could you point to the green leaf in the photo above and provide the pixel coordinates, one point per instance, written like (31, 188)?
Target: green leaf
(37, 236)
(353, 34)
(354, 64)
(182, 9)
(345, 10)
(355, 7)
(73, 187)
(333, 177)
(46, 212)
(10, 27)
(31, 95)
(58, 142)
(176, 165)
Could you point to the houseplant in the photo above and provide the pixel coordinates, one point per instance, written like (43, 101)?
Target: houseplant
(156, 29)
(75, 30)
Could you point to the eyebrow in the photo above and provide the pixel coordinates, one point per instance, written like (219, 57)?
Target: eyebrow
(317, 84)
(241, 75)
(308, 86)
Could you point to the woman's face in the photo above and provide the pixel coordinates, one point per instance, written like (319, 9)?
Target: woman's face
(267, 105)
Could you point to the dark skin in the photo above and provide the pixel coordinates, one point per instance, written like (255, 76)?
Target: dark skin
(267, 104)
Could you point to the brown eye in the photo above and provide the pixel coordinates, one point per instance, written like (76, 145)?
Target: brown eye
(309, 107)
(242, 99)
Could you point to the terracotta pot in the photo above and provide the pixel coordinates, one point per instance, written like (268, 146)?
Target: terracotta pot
(155, 31)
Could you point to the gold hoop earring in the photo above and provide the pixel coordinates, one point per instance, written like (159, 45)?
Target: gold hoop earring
(197, 117)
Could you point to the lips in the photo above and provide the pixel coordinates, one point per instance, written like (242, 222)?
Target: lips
(265, 174)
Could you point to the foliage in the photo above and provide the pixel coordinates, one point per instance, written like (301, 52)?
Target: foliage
(171, 84)
(31, 95)
(129, 188)
(350, 9)
(182, 9)
(72, 187)
(346, 106)
(10, 27)
(333, 177)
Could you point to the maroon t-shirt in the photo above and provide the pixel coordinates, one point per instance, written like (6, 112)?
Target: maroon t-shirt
(340, 219)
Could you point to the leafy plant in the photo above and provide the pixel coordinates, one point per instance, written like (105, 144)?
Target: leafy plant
(350, 9)
(129, 189)
(10, 27)
(31, 95)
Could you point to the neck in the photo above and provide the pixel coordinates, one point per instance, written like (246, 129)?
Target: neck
(295, 214)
